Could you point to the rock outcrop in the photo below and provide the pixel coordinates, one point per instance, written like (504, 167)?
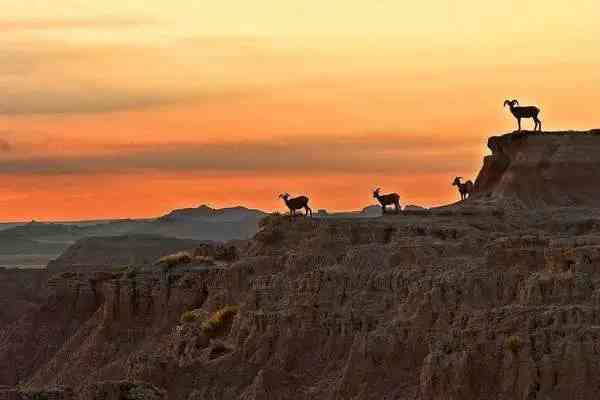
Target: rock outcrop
(550, 169)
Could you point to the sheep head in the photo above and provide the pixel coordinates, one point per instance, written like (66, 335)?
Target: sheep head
(284, 196)
(376, 192)
(511, 103)
(456, 181)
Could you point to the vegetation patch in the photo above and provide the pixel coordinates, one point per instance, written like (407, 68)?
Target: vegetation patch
(171, 261)
(514, 344)
(188, 317)
(219, 321)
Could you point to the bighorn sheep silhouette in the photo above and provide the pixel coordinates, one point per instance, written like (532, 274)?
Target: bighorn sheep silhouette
(296, 203)
(465, 189)
(387, 200)
(524, 112)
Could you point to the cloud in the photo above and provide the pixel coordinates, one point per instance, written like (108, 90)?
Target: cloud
(41, 77)
(365, 155)
(5, 147)
(68, 24)
(64, 101)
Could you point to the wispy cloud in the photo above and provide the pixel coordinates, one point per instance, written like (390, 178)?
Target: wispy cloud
(68, 24)
(366, 155)
(5, 147)
(52, 78)
(102, 99)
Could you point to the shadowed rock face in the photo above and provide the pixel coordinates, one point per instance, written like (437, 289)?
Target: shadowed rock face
(555, 169)
(459, 303)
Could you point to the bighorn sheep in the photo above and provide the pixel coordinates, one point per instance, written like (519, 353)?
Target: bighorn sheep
(465, 189)
(296, 203)
(387, 200)
(524, 112)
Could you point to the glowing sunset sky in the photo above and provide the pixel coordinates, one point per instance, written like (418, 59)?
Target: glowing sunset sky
(132, 108)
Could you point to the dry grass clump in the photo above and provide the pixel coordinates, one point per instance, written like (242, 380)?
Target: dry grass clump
(514, 344)
(216, 324)
(129, 271)
(270, 236)
(174, 260)
(188, 317)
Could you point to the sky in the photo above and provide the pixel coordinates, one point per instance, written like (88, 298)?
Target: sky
(132, 108)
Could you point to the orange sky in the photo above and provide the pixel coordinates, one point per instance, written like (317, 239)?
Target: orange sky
(130, 109)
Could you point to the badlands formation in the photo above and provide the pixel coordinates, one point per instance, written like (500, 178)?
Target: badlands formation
(494, 298)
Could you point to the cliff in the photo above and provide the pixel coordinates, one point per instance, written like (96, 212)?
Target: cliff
(444, 305)
(550, 169)
(477, 300)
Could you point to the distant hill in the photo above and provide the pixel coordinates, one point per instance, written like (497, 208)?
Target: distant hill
(203, 223)
(37, 243)
(101, 253)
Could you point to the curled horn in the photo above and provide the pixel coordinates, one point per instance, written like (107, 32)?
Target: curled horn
(506, 102)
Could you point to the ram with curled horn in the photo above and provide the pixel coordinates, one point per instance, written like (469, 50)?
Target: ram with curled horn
(387, 200)
(524, 112)
(296, 203)
(464, 189)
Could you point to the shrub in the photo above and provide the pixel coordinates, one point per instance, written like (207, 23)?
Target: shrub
(187, 317)
(204, 260)
(218, 321)
(129, 271)
(270, 236)
(204, 250)
(226, 253)
(174, 260)
(132, 272)
(269, 219)
(514, 344)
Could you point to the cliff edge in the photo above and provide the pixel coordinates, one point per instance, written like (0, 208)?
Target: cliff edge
(550, 169)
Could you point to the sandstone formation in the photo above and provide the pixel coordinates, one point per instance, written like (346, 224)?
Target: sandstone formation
(559, 169)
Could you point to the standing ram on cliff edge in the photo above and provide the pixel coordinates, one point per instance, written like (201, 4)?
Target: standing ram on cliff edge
(296, 203)
(464, 189)
(524, 112)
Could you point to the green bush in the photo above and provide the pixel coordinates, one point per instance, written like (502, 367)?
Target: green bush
(218, 321)
(514, 344)
(132, 272)
(187, 317)
(174, 260)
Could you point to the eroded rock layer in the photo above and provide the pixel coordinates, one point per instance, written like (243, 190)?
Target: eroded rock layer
(544, 169)
(462, 303)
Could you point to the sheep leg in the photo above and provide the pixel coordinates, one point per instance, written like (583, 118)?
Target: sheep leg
(519, 122)
(307, 209)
